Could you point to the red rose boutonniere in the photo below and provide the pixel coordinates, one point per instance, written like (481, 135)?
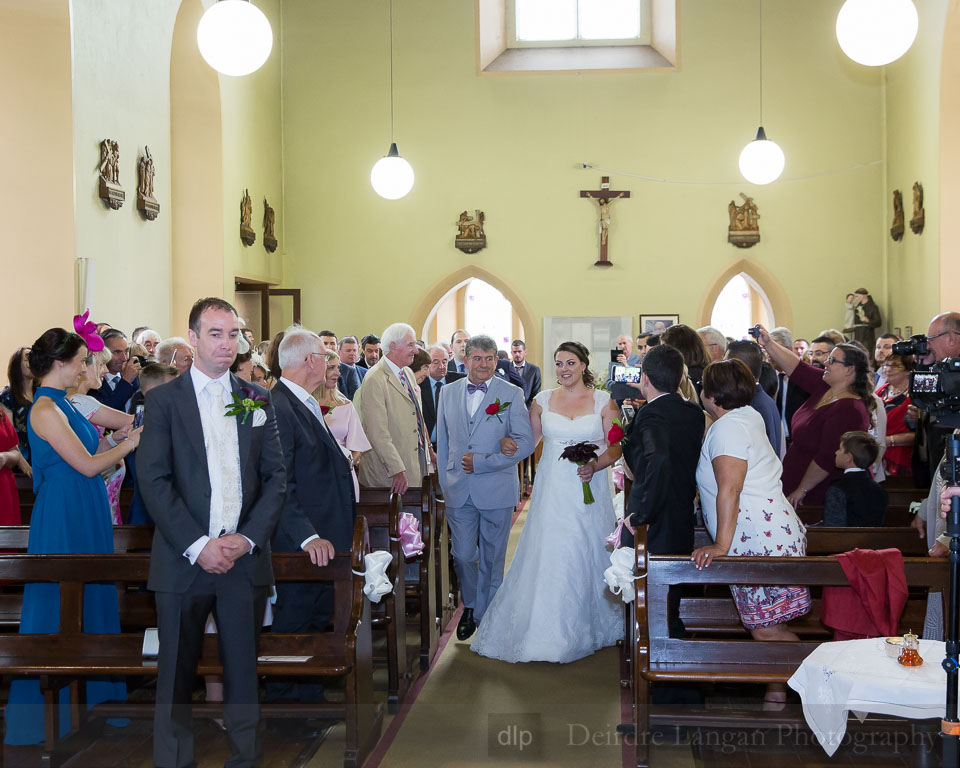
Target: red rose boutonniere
(325, 409)
(495, 409)
(616, 433)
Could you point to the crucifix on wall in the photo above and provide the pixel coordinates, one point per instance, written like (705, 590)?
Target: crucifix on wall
(605, 198)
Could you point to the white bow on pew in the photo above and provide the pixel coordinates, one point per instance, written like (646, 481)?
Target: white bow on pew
(375, 575)
(619, 576)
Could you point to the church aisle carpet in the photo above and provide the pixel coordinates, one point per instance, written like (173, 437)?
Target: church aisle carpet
(474, 711)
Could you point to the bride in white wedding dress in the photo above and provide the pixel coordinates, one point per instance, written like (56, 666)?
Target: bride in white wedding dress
(553, 604)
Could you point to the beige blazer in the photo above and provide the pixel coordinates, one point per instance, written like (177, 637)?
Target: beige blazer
(390, 422)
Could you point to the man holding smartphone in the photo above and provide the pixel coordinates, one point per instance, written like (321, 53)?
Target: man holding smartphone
(622, 355)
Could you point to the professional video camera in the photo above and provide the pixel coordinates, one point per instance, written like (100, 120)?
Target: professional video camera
(933, 387)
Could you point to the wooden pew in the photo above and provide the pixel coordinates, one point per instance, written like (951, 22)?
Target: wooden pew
(897, 515)
(446, 575)
(660, 658)
(420, 592)
(383, 521)
(71, 655)
(833, 541)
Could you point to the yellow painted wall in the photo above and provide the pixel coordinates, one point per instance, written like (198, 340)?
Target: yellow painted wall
(512, 146)
(252, 159)
(913, 154)
(36, 196)
(121, 91)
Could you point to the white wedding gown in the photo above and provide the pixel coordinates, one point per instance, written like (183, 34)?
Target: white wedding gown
(553, 604)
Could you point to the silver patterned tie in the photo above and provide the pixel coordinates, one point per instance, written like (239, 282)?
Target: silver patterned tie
(227, 446)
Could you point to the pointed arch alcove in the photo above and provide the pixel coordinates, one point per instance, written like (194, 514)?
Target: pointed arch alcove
(762, 279)
(426, 309)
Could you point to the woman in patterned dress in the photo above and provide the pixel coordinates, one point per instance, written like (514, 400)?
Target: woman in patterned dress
(744, 509)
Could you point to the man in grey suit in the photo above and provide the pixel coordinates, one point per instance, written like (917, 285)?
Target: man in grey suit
(480, 485)
(214, 485)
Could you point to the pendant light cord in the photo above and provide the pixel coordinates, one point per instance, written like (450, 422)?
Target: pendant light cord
(391, 72)
(761, 60)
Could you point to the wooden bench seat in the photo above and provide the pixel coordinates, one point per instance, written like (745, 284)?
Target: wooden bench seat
(421, 593)
(61, 659)
(657, 657)
(383, 522)
(898, 515)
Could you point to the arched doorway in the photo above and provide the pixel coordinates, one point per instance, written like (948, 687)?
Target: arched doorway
(196, 169)
(436, 312)
(479, 306)
(770, 296)
(742, 303)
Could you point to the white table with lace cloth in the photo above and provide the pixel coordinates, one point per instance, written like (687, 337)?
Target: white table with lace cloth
(858, 676)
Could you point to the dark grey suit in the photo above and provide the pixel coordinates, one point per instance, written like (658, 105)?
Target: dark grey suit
(532, 381)
(175, 485)
(319, 502)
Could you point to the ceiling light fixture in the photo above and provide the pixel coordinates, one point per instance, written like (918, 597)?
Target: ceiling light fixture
(234, 37)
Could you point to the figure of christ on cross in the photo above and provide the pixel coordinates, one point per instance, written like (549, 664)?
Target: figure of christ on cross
(605, 198)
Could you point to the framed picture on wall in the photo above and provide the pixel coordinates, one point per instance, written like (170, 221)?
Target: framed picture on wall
(907, 331)
(657, 323)
(896, 332)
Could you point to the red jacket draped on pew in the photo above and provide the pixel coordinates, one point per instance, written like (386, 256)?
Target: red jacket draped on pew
(872, 604)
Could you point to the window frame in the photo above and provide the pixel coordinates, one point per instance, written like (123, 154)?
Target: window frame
(644, 38)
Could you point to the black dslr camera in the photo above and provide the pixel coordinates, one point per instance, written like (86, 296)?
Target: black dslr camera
(916, 345)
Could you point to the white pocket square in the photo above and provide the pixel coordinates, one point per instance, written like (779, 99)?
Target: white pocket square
(259, 418)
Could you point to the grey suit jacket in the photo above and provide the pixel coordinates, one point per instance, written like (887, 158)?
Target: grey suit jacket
(494, 483)
(173, 480)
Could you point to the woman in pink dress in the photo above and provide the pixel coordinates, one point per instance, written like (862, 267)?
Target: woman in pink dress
(342, 417)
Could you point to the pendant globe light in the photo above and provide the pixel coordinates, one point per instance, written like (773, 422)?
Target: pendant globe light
(234, 37)
(877, 32)
(391, 176)
(762, 160)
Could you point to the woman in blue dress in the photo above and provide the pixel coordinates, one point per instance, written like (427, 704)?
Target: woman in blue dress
(71, 515)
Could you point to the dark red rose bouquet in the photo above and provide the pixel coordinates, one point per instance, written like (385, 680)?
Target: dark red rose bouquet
(581, 454)
(616, 433)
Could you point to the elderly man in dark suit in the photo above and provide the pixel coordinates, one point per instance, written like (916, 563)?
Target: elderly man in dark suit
(319, 507)
(213, 482)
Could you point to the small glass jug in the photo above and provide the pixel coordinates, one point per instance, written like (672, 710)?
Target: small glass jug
(910, 655)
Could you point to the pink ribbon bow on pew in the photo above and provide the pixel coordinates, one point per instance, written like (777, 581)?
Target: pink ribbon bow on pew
(613, 539)
(619, 477)
(411, 542)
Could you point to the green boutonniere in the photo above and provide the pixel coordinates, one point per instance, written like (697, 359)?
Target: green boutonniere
(244, 406)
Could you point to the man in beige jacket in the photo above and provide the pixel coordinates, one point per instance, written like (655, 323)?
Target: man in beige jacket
(390, 410)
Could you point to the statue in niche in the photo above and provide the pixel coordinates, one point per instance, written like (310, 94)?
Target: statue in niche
(470, 235)
(916, 223)
(110, 190)
(896, 229)
(744, 230)
(247, 235)
(269, 221)
(146, 202)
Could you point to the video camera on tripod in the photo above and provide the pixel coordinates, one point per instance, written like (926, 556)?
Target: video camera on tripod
(934, 387)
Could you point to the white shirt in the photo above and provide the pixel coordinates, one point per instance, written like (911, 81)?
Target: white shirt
(303, 396)
(200, 381)
(111, 379)
(854, 469)
(394, 367)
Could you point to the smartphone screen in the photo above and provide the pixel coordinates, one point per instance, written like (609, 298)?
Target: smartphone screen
(138, 417)
(626, 373)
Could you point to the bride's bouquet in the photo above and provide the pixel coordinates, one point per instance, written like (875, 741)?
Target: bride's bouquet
(581, 454)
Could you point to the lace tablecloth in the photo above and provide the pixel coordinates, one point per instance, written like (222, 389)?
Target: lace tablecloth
(857, 676)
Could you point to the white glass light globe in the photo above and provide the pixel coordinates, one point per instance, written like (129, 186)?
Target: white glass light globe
(392, 176)
(234, 37)
(876, 32)
(762, 160)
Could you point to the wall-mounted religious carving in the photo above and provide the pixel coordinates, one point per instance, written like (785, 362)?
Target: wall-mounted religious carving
(146, 203)
(247, 235)
(470, 235)
(916, 223)
(896, 230)
(110, 190)
(269, 221)
(744, 228)
(605, 198)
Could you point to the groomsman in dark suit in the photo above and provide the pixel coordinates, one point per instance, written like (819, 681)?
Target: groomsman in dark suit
(319, 507)
(213, 484)
(351, 374)
(529, 375)
(528, 372)
(430, 390)
(458, 341)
